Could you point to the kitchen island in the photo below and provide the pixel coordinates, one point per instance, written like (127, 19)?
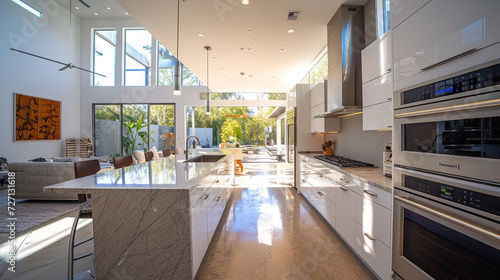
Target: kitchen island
(155, 220)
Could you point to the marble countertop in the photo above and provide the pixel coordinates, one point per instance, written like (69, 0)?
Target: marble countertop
(164, 173)
(374, 176)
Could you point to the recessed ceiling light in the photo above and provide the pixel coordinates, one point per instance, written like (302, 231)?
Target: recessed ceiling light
(108, 8)
(291, 30)
(242, 48)
(77, 8)
(282, 50)
(96, 14)
(126, 13)
(249, 49)
(201, 35)
(249, 31)
(245, 2)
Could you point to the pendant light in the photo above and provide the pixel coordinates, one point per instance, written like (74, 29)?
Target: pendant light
(207, 104)
(177, 87)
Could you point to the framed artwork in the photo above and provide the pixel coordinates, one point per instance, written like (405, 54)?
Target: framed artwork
(36, 118)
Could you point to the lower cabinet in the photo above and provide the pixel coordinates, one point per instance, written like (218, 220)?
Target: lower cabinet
(199, 233)
(346, 205)
(358, 212)
(376, 254)
(209, 197)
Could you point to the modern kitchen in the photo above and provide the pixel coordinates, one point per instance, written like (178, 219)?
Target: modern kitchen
(396, 152)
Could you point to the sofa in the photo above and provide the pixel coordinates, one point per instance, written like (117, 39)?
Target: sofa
(32, 177)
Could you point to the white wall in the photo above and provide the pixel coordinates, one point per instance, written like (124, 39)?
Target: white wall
(36, 77)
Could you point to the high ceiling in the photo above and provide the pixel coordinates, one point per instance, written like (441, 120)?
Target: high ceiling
(230, 26)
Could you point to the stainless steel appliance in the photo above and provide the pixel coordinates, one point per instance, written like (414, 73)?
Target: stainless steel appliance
(446, 180)
(342, 161)
(445, 228)
(451, 125)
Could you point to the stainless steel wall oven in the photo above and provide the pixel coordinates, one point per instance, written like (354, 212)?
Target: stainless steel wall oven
(447, 177)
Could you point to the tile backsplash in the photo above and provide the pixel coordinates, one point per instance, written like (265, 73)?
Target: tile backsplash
(355, 143)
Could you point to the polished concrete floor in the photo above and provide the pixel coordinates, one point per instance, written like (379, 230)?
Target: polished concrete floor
(268, 231)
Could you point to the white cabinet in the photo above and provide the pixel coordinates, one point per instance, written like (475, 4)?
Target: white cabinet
(318, 106)
(402, 9)
(376, 254)
(199, 233)
(375, 219)
(378, 90)
(345, 216)
(376, 58)
(443, 30)
(378, 116)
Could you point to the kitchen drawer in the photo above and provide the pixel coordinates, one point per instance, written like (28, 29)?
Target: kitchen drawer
(345, 214)
(202, 187)
(324, 185)
(378, 91)
(376, 254)
(377, 195)
(323, 205)
(375, 219)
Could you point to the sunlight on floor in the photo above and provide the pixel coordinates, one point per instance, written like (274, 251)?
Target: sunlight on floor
(36, 240)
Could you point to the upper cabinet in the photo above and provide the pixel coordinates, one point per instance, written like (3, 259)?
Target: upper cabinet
(376, 59)
(402, 9)
(442, 31)
(318, 106)
(377, 84)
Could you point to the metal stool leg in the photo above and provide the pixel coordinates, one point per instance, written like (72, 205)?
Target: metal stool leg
(72, 246)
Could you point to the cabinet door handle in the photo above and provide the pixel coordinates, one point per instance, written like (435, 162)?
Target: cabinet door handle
(389, 126)
(388, 70)
(206, 196)
(369, 236)
(344, 189)
(449, 59)
(344, 181)
(370, 193)
(218, 198)
(389, 99)
(321, 194)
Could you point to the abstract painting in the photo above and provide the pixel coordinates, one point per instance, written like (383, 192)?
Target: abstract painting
(37, 118)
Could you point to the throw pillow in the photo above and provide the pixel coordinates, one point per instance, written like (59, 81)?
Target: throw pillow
(139, 156)
(102, 158)
(155, 153)
(40, 159)
(61, 159)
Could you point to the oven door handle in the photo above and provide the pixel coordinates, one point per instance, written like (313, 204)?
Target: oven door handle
(448, 218)
(463, 107)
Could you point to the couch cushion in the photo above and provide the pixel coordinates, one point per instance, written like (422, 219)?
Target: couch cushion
(61, 159)
(139, 156)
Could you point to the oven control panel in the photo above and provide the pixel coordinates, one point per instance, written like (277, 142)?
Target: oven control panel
(481, 78)
(472, 199)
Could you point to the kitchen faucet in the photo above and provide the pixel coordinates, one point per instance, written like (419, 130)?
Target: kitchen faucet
(187, 143)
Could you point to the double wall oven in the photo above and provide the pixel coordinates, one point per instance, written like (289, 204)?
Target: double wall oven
(447, 177)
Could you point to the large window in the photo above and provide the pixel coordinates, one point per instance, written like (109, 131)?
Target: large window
(387, 16)
(104, 57)
(119, 129)
(137, 57)
(188, 78)
(166, 62)
(318, 72)
(242, 125)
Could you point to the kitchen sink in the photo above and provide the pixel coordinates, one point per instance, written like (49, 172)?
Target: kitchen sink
(205, 158)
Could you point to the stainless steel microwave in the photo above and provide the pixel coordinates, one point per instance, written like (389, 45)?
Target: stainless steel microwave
(451, 126)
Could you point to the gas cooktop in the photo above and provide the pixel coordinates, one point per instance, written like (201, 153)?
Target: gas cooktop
(342, 161)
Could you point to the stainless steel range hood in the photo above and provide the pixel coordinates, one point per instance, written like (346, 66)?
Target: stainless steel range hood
(346, 39)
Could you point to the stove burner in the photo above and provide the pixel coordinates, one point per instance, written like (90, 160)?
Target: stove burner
(342, 161)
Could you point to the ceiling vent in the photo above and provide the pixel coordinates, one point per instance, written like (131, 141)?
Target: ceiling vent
(293, 15)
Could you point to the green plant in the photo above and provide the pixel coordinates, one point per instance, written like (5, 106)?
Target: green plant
(3, 160)
(133, 134)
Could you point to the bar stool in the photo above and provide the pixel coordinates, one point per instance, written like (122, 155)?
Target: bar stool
(166, 152)
(124, 161)
(149, 155)
(82, 169)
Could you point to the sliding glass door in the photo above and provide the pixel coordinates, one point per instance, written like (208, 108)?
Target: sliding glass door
(119, 129)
